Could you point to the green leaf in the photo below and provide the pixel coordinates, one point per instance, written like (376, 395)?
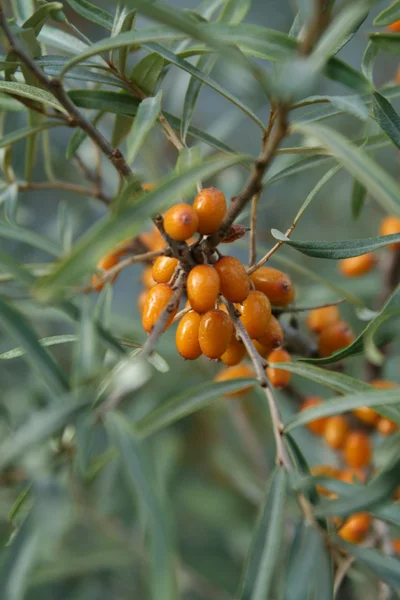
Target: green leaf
(10, 104)
(41, 15)
(358, 196)
(386, 568)
(57, 38)
(267, 538)
(19, 561)
(25, 132)
(126, 24)
(92, 13)
(187, 403)
(206, 65)
(11, 266)
(234, 11)
(53, 340)
(146, 73)
(386, 117)
(304, 556)
(389, 42)
(368, 61)
(146, 116)
(105, 235)
(29, 237)
(389, 15)
(14, 323)
(32, 93)
(324, 583)
(378, 182)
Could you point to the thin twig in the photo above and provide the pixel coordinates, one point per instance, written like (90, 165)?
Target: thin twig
(64, 185)
(296, 309)
(253, 219)
(274, 248)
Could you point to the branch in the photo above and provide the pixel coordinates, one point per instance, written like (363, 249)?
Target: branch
(295, 309)
(253, 219)
(67, 186)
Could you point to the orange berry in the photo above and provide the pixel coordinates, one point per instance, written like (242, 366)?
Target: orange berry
(203, 288)
(147, 278)
(187, 336)
(388, 226)
(335, 337)
(142, 299)
(236, 372)
(273, 336)
(210, 206)
(262, 350)
(215, 333)
(396, 545)
(319, 318)
(386, 426)
(235, 284)
(384, 384)
(256, 313)
(357, 450)
(394, 27)
(105, 263)
(355, 266)
(164, 268)
(278, 377)
(318, 425)
(367, 415)
(157, 299)
(152, 239)
(147, 187)
(325, 471)
(336, 431)
(355, 528)
(352, 476)
(274, 284)
(235, 352)
(180, 222)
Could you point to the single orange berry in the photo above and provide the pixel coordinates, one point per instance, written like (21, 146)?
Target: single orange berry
(273, 336)
(147, 278)
(180, 222)
(397, 78)
(274, 284)
(256, 313)
(142, 300)
(396, 545)
(319, 318)
(105, 263)
(355, 528)
(210, 206)
(187, 336)
(394, 27)
(278, 377)
(318, 425)
(235, 284)
(386, 426)
(335, 337)
(237, 372)
(157, 299)
(336, 431)
(203, 287)
(367, 415)
(357, 450)
(388, 226)
(152, 239)
(355, 266)
(352, 476)
(215, 333)
(235, 352)
(164, 268)
(384, 384)
(325, 471)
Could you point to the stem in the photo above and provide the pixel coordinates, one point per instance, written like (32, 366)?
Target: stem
(296, 309)
(253, 219)
(64, 185)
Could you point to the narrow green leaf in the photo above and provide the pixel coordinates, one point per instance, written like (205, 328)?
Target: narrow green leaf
(389, 15)
(19, 561)
(358, 196)
(368, 61)
(353, 105)
(146, 73)
(53, 340)
(146, 116)
(206, 65)
(25, 132)
(324, 583)
(92, 13)
(301, 569)
(57, 38)
(386, 117)
(9, 265)
(389, 42)
(31, 92)
(234, 11)
(41, 15)
(29, 237)
(126, 24)
(386, 568)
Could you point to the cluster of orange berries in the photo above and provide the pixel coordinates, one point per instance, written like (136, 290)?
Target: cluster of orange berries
(356, 266)
(333, 332)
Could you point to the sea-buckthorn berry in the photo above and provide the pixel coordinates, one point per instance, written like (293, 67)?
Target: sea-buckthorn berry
(215, 333)
(157, 299)
(352, 476)
(237, 372)
(355, 528)
(394, 27)
(142, 300)
(325, 471)
(388, 226)
(274, 284)
(203, 287)
(386, 426)
(235, 352)
(147, 278)
(256, 313)
(320, 318)
(316, 426)
(210, 206)
(152, 240)
(335, 337)
(357, 450)
(262, 350)
(278, 377)
(396, 545)
(384, 384)
(180, 222)
(367, 415)
(355, 266)
(272, 337)
(235, 284)
(107, 262)
(187, 336)
(164, 268)
(336, 431)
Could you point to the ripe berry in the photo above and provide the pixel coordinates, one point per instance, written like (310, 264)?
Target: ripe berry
(336, 431)
(318, 425)
(386, 426)
(388, 226)
(147, 278)
(319, 318)
(235, 352)
(396, 545)
(157, 299)
(278, 377)
(180, 222)
(164, 268)
(105, 263)
(203, 288)
(384, 384)
(262, 350)
(187, 336)
(325, 471)
(236, 372)
(356, 266)
(235, 284)
(355, 528)
(274, 284)
(152, 239)
(394, 27)
(335, 337)
(357, 450)
(210, 206)
(367, 415)
(215, 333)
(256, 313)
(272, 337)
(142, 299)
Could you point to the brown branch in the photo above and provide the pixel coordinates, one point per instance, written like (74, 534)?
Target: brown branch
(64, 185)
(274, 248)
(317, 25)
(253, 220)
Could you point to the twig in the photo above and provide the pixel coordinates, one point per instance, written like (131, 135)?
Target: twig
(67, 186)
(274, 248)
(296, 309)
(181, 314)
(297, 342)
(253, 219)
